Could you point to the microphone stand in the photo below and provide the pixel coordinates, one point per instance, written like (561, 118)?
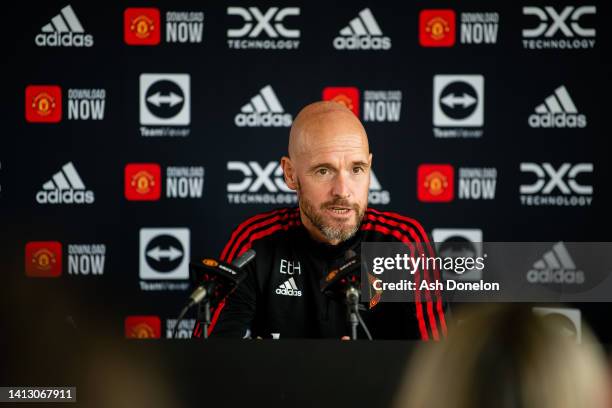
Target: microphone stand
(353, 297)
(203, 317)
(344, 281)
(201, 297)
(352, 303)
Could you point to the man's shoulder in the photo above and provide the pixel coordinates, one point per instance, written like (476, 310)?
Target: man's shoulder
(258, 227)
(279, 216)
(392, 225)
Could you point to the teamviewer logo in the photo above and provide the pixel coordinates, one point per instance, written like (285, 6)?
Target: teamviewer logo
(164, 253)
(458, 100)
(165, 99)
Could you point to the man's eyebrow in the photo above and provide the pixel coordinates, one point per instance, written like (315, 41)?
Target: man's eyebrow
(354, 163)
(360, 163)
(317, 165)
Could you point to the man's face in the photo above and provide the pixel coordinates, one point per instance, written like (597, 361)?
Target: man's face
(332, 182)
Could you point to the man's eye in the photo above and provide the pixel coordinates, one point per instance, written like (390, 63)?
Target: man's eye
(357, 170)
(322, 172)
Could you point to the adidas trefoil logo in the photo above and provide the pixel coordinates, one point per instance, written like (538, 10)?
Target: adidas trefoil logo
(264, 110)
(362, 33)
(557, 267)
(557, 111)
(64, 30)
(65, 187)
(288, 288)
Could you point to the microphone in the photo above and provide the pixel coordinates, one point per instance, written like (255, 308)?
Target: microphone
(338, 280)
(344, 282)
(215, 279)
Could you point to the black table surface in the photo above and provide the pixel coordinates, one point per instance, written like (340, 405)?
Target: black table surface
(185, 373)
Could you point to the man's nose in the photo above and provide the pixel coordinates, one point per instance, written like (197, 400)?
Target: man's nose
(341, 186)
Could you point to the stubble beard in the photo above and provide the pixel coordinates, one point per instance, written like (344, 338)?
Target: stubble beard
(331, 233)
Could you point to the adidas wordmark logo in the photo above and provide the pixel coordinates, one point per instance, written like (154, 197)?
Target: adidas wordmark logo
(288, 288)
(556, 266)
(64, 30)
(557, 111)
(362, 33)
(265, 110)
(376, 194)
(65, 187)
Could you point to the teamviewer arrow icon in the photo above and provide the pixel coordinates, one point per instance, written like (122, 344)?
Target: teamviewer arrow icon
(165, 99)
(465, 100)
(458, 100)
(164, 253)
(157, 99)
(157, 253)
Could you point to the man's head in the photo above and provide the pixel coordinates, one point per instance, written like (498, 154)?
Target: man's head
(329, 166)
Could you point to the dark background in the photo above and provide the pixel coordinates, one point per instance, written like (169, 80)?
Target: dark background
(222, 81)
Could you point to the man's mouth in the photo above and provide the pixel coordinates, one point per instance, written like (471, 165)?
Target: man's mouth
(337, 210)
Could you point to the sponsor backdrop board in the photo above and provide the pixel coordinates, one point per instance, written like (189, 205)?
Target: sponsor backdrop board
(140, 136)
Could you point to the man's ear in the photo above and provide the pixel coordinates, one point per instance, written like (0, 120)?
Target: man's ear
(289, 173)
(369, 170)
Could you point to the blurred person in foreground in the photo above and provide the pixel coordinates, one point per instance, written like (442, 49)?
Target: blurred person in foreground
(506, 357)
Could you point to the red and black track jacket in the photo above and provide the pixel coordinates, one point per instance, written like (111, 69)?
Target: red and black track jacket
(281, 297)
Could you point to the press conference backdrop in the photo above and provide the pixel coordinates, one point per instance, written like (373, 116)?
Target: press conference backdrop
(144, 134)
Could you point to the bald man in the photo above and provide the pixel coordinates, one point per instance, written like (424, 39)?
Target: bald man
(328, 165)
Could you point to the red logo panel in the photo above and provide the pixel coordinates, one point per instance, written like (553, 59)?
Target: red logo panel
(435, 182)
(141, 26)
(437, 28)
(43, 259)
(142, 182)
(142, 327)
(43, 103)
(348, 96)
